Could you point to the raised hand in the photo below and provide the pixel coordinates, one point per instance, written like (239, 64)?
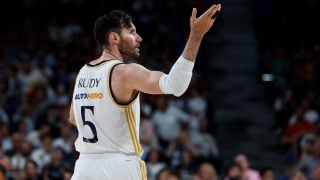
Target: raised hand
(201, 25)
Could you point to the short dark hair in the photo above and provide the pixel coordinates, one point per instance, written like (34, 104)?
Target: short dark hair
(111, 22)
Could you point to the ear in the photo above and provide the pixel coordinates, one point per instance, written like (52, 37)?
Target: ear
(114, 38)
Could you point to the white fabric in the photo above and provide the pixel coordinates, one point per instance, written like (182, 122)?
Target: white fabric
(92, 98)
(178, 79)
(154, 169)
(167, 122)
(107, 166)
(63, 144)
(41, 157)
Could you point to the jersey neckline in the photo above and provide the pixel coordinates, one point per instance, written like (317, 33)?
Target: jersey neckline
(94, 65)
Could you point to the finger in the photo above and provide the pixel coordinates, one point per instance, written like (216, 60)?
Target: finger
(218, 7)
(214, 10)
(193, 15)
(215, 15)
(209, 11)
(211, 22)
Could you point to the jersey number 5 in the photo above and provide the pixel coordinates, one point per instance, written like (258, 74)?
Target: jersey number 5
(90, 124)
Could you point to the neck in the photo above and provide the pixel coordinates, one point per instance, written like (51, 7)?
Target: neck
(109, 54)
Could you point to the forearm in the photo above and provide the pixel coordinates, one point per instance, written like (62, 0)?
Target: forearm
(192, 46)
(178, 79)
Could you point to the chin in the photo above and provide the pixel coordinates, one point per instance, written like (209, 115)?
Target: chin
(135, 56)
(131, 57)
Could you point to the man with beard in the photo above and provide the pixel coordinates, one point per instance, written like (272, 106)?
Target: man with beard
(105, 103)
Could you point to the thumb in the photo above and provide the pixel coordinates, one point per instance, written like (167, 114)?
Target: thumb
(193, 15)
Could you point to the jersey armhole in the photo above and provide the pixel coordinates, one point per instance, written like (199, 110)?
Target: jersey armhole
(112, 96)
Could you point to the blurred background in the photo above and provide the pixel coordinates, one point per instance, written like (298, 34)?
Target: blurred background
(251, 111)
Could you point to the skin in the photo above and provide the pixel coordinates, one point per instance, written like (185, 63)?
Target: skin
(243, 161)
(127, 79)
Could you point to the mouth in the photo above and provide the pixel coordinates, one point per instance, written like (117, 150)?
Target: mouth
(137, 48)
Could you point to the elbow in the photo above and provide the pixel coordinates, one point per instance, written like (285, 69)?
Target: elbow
(179, 92)
(176, 85)
(181, 85)
(72, 120)
(71, 117)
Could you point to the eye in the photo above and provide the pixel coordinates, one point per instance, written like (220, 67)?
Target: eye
(132, 31)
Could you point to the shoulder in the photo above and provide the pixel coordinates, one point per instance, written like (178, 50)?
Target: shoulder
(83, 68)
(128, 71)
(127, 67)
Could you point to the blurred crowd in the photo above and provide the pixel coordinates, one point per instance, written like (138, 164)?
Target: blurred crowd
(289, 37)
(41, 50)
(43, 47)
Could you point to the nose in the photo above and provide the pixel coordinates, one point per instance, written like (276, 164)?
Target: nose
(139, 38)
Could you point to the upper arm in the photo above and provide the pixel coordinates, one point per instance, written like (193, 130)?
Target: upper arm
(135, 76)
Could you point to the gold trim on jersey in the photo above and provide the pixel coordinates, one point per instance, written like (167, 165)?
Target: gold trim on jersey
(110, 93)
(132, 129)
(143, 169)
(135, 127)
(130, 118)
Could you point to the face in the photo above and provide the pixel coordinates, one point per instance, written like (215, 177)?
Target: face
(242, 160)
(164, 175)
(130, 42)
(269, 175)
(207, 172)
(31, 168)
(234, 172)
(298, 175)
(154, 156)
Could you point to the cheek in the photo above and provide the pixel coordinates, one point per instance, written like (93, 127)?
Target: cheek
(128, 42)
(132, 39)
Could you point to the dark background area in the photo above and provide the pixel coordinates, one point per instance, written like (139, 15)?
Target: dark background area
(273, 120)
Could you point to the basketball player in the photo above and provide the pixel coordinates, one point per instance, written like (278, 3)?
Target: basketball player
(105, 104)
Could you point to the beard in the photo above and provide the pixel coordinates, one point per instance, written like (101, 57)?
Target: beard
(128, 50)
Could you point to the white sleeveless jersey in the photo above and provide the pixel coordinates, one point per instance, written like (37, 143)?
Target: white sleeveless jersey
(103, 125)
